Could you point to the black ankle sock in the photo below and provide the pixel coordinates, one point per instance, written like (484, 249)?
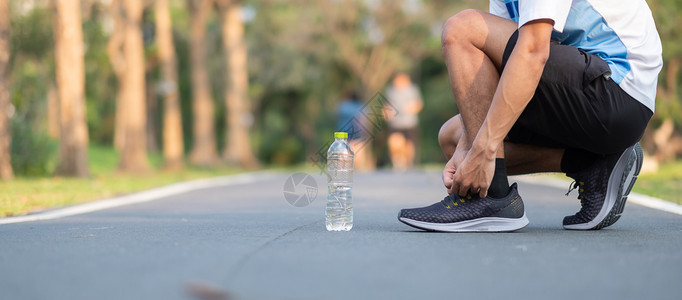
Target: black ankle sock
(576, 160)
(499, 187)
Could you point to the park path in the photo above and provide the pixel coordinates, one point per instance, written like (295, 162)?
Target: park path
(245, 241)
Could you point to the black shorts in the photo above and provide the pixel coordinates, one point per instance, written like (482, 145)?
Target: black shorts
(577, 106)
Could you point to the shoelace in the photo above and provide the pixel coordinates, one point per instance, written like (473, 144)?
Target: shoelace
(580, 186)
(449, 200)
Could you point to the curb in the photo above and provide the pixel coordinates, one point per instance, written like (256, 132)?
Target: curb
(635, 198)
(141, 197)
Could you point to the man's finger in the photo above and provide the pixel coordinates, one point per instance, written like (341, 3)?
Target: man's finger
(454, 188)
(483, 192)
(447, 180)
(463, 190)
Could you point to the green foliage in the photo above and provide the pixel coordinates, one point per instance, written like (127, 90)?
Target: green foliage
(669, 24)
(100, 83)
(32, 65)
(31, 34)
(282, 150)
(439, 106)
(33, 153)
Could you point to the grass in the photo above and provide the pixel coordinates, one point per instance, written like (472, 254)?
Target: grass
(666, 183)
(30, 194)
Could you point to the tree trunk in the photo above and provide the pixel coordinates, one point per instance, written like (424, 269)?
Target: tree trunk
(152, 112)
(172, 119)
(134, 154)
(53, 111)
(70, 73)
(239, 118)
(117, 59)
(5, 132)
(120, 118)
(204, 150)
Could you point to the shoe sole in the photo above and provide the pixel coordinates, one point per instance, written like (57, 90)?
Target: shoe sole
(621, 181)
(488, 224)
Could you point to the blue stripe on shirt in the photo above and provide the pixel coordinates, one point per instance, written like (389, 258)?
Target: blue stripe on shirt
(513, 9)
(587, 30)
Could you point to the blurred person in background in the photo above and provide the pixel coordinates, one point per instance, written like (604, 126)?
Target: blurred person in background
(349, 119)
(403, 133)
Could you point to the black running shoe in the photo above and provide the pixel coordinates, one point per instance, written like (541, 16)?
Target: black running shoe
(603, 189)
(469, 214)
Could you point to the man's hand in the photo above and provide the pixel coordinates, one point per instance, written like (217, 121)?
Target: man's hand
(451, 167)
(474, 173)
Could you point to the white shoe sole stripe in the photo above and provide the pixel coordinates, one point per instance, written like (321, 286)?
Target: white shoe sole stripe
(488, 224)
(613, 189)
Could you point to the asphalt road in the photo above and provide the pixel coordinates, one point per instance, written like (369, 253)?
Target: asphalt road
(246, 242)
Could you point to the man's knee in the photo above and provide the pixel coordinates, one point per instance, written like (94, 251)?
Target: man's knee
(449, 133)
(458, 28)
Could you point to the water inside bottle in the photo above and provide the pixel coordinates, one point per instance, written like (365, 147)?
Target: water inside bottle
(339, 208)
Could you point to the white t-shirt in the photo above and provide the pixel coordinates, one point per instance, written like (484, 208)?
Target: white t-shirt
(401, 99)
(621, 32)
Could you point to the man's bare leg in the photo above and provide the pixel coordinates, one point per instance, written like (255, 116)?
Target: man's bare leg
(473, 43)
(520, 158)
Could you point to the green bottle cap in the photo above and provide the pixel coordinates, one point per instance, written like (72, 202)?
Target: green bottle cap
(341, 135)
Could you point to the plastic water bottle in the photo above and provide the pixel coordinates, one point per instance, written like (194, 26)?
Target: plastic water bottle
(339, 209)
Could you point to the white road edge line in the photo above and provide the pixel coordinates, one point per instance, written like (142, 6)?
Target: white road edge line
(635, 198)
(144, 196)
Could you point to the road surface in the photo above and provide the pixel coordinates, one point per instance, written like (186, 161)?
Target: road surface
(247, 242)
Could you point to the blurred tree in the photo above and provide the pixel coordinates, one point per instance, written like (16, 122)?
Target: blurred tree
(287, 83)
(134, 154)
(204, 149)
(172, 120)
(239, 118)
(32, 64)
(70, 75)
(5, 132)
(53, 111)
(374, 39)
(101, 87)
(662, 138)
